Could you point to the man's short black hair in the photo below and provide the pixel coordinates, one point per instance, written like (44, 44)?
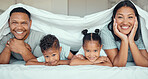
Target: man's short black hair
(21, 9)
(49, 41)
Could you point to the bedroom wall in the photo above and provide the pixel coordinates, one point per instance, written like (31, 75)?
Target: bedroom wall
(70, 7)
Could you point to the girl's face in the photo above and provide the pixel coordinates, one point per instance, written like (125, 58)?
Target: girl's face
(92, 50)
(125, 19)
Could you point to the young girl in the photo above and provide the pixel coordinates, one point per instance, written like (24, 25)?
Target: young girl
(122, 40)
(92, 47)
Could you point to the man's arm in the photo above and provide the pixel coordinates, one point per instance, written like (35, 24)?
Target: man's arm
(5, 56)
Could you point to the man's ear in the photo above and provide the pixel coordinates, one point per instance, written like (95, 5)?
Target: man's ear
(30, 23)
(9, 22)
(60, 49)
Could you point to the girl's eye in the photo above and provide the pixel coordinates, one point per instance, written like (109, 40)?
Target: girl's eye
(53, 54)
(87, 50)
(46, 56)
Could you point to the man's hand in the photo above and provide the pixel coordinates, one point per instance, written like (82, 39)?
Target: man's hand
(17, 46)
(28, 47)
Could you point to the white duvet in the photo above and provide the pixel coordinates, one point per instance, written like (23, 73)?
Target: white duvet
(68, 28)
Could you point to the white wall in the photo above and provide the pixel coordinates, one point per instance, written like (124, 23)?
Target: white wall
(85, 7)
(4, 4)
(70, 7)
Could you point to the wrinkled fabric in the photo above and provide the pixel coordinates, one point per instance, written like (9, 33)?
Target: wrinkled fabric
(68, 28)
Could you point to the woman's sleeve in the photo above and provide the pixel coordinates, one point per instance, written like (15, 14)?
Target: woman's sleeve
(107, 39)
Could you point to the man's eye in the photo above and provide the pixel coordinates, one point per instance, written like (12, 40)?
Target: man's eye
(24, 23)
(53, 54)
(14, 22)
(46, 56)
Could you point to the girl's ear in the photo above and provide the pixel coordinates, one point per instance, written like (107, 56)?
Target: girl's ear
(60, 49)
(101, 46)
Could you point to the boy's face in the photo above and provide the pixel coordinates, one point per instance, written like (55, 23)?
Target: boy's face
(52, 55)
(92, 50)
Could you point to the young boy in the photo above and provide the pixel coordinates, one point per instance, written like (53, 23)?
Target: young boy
(53, 54)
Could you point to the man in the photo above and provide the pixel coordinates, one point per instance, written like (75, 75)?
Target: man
(21, 43)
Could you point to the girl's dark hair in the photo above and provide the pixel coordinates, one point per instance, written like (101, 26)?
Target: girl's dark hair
(49, 41)
(126, 3)
(22, 10)
(91, 36)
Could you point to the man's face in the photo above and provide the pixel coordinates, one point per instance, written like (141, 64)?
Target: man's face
(20, 24)
(52, 56)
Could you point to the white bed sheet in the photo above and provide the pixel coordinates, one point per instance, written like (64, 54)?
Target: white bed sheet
(20, 71)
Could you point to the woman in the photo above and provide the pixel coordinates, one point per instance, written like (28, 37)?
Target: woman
(122, 40)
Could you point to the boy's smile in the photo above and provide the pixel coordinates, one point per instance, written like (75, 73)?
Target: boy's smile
(52, 56)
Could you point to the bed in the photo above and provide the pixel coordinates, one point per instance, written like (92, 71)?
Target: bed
(20, 71)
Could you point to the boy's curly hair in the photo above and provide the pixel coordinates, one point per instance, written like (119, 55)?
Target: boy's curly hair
(49, 41)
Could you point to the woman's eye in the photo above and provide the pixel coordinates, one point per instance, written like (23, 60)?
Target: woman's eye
(119, 17)
(130, 17)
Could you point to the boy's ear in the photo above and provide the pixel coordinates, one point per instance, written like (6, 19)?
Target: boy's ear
(60, 49)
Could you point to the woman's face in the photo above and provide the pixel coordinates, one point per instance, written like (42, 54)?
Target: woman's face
(125, 19)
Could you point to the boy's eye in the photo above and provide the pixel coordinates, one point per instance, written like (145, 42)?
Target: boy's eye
(53, 54)
(46, 56)
(95, 50)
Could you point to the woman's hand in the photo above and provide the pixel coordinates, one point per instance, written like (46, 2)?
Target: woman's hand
(119, 34)
(133, 32)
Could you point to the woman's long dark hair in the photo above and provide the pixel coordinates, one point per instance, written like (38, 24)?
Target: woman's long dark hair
(126, 3)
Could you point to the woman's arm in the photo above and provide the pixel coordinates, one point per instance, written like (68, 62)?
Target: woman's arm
(140, 56)
(118, 58)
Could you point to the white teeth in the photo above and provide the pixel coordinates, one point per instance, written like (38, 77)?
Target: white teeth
(19, 32)
(124, 27)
